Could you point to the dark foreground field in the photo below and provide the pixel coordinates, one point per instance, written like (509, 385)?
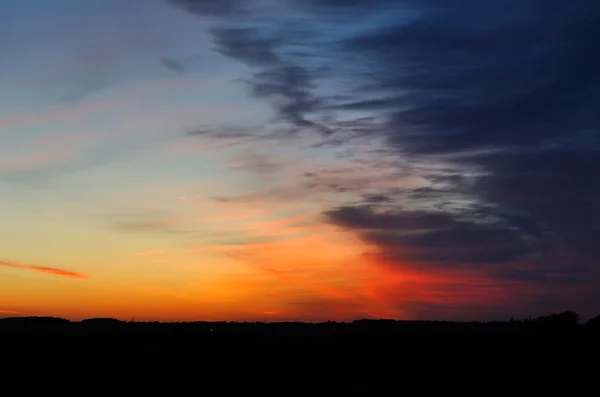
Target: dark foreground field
(371, 350)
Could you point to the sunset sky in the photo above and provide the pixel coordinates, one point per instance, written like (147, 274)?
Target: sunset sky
(310, 160)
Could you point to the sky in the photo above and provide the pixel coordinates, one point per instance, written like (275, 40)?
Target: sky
(287, 160)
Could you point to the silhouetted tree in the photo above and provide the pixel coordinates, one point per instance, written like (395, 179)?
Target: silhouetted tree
(565, 321)
(593, 323)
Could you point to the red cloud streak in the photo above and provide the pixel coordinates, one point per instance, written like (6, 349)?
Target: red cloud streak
(43, 269)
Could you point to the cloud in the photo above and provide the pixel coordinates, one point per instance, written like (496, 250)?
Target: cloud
(218, 8)
(48, 155)
(276, 76)
(255, 162)
(102, 47)
(150, 253)
(43, 269)
(493, 104)
(248, 45)
(366, 218)
(505, 72)
(57, 114)
(148, 223)
(279, 79)
(3, 311)
(433, 237)
(514, 85)
(507, 87)
(31, 162)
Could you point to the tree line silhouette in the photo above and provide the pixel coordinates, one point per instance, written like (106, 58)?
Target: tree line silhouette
(565, 322)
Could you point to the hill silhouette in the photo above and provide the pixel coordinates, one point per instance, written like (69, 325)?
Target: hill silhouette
(565, 322)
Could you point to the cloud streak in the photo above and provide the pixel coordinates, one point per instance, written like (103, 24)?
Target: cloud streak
(9, 312)
(44, 269)
(150, 253)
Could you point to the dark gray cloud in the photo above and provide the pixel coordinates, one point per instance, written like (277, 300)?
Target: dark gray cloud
(377, 198)
(279, 79)
(248, 45)
(435, 237)
(479, 75)
(366, 218)
(343, 10)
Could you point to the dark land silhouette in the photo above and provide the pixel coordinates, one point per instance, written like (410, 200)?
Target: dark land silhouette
(565, 322)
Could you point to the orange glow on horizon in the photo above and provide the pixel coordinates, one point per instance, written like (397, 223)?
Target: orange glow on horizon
(316, 272)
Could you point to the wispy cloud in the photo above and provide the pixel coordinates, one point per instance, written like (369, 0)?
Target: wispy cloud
(58, 114)
(44, 269)
(5, 311)
(77, 137)
(150, 253)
